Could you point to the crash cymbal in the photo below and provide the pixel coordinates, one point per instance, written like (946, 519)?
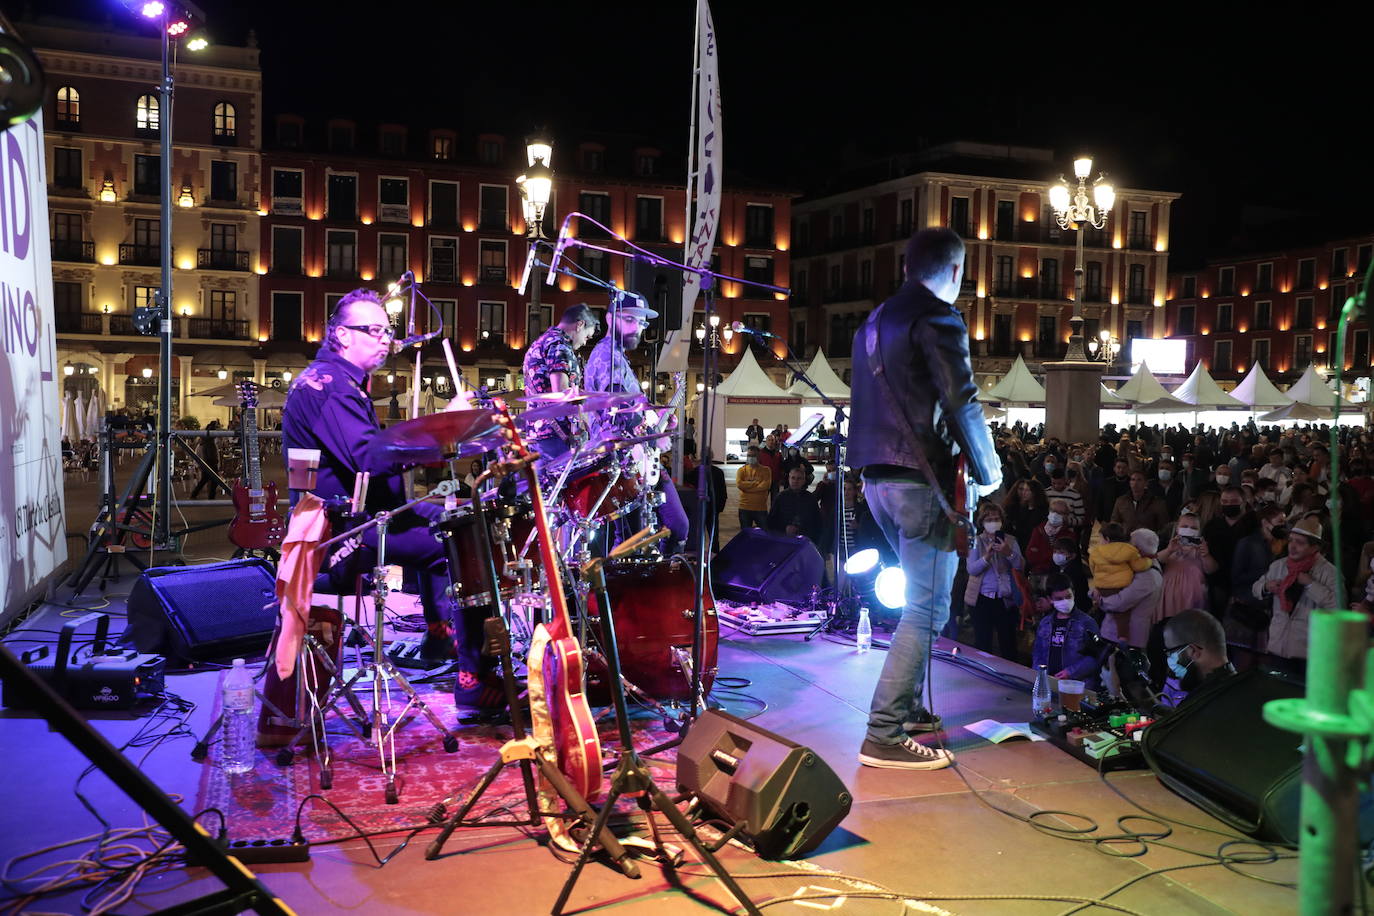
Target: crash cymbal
(439, 436)
(587, 402)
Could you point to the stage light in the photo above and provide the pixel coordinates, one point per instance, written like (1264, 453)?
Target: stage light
(890, 588)
(178, 28)
(197, 42)
(861, 562)
(153, 8)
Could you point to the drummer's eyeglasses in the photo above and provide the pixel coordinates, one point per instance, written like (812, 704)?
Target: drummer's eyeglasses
(376, 331)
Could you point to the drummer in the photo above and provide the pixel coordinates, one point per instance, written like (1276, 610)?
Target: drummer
(552, 365)
(608, 369)
(328, 408)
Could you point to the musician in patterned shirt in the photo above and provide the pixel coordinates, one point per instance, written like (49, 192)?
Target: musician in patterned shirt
(551, 365)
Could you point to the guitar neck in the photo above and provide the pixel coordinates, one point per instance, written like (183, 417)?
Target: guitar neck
(560, 623)
(252, 462)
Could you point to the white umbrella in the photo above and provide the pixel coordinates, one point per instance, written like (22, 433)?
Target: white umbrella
(1298, 411)
(95, 412)
(79, 427)
(65, 421)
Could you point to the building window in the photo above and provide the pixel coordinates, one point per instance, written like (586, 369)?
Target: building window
(144, 296)
(391, 254)
(833, 289)
(1047, 340)
(66, 297)
(803, 234)
(1185, 326)
(341, 138)
(1226, 282)
(148, 175)
(441, 148)
(593, 263)
(66, 167)
(1224, 318)
(1337, 301)
(1135, 289)
(1189, 288)
(593, 160)
(148, 235)
(393, 142)
(866, 224)
(1302, 351)
(1302, 316)
(443, 260)
(865, 277)
(1264, 315)
(489, 151)
(491, 322)
(287, 191)
(1307, 272)
(224, 237)
(758, 226)
(67, 227)
(1366, 252)
(1264, 278)
(798, 341)
(537, 323)
(146, 113)
(223, 304)
(1360, 352)
(286, 316)
(448, 315)
(1049, 279)
(649, 219)
(958, 215)
(1005, 276)
(904, 217)
(1005, 229)
(341, 253)
(342, 203)
(1092, 282)
(598, 207)
(1222, 360)
(1339, 263)
(68, 107)
(799, 287)
(1259, 353)
(492, 213)
(287, 250)
(224, 180)
(443, 204)
(393, 198)
(288, 134)
(1134, 331)
(226, 121)
(1138, 236)
(1001, 335)
(646, 164)
(493, 262)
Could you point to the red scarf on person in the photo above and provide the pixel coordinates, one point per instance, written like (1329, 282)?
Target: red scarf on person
(1295, 569)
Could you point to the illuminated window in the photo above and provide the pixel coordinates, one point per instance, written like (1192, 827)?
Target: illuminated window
(492, 262)
(341, 253)
(68, 107)
(441, 147)
(226, 121)
(146, 114)
(491, 322)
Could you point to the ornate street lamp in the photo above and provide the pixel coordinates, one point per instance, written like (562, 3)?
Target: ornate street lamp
(536, 188)
(1072, 208)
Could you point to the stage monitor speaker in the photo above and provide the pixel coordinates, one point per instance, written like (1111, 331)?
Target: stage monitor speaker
(783, 796)
(1220, 754)
(758, 566)
(197, 613)
(661, 287)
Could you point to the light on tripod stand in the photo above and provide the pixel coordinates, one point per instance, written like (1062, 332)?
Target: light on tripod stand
(890, 588)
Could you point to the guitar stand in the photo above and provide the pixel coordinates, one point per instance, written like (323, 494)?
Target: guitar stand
(632, 777)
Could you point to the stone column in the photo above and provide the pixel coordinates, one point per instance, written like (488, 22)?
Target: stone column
(183, 390)
(1073, 399)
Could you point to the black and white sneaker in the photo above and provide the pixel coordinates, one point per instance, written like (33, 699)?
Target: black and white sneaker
(924, 721)
(905, 756)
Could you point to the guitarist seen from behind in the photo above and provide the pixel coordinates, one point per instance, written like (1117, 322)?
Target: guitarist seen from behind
(608, 369)
(913, 413)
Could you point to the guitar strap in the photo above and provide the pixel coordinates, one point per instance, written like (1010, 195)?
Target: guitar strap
(874, 348)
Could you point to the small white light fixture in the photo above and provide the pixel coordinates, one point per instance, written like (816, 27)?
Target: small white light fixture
(147, 372)
(286, 375)
(222, 374)
(1083, 166)
(69, 369)
(491, 382)
(186, 200)
(644, 385)
(107, 191)
(391, 378)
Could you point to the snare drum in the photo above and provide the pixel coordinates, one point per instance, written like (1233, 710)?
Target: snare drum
(652, 602)
(602, 495)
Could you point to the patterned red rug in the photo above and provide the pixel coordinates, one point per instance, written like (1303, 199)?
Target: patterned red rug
(264, 804)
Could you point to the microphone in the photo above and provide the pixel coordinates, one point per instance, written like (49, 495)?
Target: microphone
(525, 274)
(398, 345)
(558, 251)
(739, 327)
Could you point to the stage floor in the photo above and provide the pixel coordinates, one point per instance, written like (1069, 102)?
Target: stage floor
(929, 836)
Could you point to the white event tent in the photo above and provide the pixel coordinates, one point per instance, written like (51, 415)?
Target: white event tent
(1312, 389)
(1020, 393)
(1258, 393)
(746, 393)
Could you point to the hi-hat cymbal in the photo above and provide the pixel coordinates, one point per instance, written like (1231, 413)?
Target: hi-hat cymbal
(439, 436)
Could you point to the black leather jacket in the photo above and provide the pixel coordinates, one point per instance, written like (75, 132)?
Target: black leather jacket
(925, 353)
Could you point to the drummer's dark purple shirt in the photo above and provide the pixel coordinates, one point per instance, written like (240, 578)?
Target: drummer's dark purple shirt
(328, 408)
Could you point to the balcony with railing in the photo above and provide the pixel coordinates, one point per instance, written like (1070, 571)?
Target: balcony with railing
(1140, 242)
(1094, 294)
(140, 255)
(122, 324)
(219, 328)
(73, 250)
(224, 138)
(221, 259)
(491, 220)
(848, 293)
(1140, 296)
(341, 270)
(78, 323)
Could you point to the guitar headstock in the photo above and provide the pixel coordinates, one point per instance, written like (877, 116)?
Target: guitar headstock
(248, 394)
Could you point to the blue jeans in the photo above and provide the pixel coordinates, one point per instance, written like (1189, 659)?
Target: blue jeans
(909, 515)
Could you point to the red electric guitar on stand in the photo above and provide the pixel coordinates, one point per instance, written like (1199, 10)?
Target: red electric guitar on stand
(256, 524)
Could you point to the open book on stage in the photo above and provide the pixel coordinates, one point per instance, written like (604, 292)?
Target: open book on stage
(997, 732)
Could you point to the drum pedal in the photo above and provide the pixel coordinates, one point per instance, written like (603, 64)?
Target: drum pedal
(405, 653)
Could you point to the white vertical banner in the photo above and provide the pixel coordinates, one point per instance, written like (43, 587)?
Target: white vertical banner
(33, 541)
(704, 179)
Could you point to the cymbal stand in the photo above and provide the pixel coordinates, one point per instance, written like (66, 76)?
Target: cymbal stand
(632, 777)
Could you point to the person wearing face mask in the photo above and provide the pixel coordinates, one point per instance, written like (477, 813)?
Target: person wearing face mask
(1221, 478)
(1255, 553)
(1168, 486)
(1040, 551)
(754, 482)
(770, 456)
(1186, 563)
(1294, 585)
(1194, 476)
(794, 459)
(1069, 562)
(1195, 653)
(1222, 534)
(1059, 637)
(990, 592)
(1049, 464)
(1061, 488)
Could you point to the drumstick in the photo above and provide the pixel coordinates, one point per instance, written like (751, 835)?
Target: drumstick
(452, 365)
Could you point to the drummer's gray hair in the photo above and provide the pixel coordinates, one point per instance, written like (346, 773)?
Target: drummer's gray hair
(343, 314)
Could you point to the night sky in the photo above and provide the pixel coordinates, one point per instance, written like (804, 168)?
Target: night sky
(1261, 112)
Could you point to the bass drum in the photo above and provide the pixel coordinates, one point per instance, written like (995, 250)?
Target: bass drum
(653, 605)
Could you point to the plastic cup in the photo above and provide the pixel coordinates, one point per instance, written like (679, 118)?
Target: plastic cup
(301, 465)
(1070, 694)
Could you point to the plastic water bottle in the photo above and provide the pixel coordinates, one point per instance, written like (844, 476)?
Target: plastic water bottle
(239, 728)
(863, 633)
(1040, 694)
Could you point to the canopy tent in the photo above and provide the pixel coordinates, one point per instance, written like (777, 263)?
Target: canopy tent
(825, 379)
(1202, 391)
(750, 381)
(1018, 386)
(1312, 389)
(746, 393)
(1257, 392)
(1144, 392)
(1298, 412)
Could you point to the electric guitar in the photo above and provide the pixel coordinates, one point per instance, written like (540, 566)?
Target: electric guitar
(560, 666)
(965, 505)
(645, 454)
(256, 524)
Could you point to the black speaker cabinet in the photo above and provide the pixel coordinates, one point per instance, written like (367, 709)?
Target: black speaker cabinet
(758, 566)
(786, 798)
(197, 613)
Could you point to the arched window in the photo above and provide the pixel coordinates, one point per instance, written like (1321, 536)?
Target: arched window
(68, 105)
(147, 117)
(226, 120)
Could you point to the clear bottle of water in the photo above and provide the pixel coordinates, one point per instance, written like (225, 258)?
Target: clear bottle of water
(238, 752)
(1041, 704)
(863, 633)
